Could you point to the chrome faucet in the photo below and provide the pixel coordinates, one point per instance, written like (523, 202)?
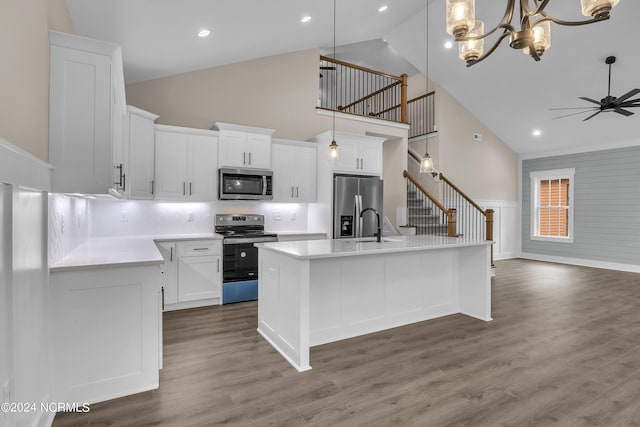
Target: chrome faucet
(379, 233)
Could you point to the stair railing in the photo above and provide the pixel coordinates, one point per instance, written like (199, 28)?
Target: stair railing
(353, 89)
(422, 117)
(473, 221)
(420, 211)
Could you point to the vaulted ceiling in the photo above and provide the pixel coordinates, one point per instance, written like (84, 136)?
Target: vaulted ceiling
(509, 92)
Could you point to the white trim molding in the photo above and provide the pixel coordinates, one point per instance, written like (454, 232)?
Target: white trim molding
(582, 262)
(17, 167)
(364, 119)
(506, 230)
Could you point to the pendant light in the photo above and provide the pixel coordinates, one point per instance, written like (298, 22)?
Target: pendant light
(426, 164)
(333, 147)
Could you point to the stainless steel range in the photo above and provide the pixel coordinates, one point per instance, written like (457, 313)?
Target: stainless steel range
(240, 257)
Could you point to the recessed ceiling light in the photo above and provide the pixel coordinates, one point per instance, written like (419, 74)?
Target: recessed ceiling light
(305, 18)
(448, 44)
(203, 33)
(383, 8)
(536, 132)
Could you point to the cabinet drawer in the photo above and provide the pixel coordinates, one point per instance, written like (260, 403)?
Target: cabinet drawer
(200, 247)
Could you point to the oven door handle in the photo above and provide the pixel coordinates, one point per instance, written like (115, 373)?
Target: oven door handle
(264, 185)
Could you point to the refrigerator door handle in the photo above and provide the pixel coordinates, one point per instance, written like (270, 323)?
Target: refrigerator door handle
(358, 218)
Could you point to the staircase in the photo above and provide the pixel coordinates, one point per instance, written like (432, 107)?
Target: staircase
(422, 217)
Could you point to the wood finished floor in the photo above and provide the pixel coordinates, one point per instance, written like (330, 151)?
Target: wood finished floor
(563, 350)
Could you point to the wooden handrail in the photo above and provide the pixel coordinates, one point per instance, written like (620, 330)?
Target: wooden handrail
(371, 95)
(357, 67)
(354, 114)
(417, 98)
(415, 156)
(425, 192)
(467, 198)
(404, 118)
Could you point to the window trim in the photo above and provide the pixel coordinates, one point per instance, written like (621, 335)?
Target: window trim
(535, 177)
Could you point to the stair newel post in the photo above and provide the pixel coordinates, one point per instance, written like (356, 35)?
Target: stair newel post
(489, 233)
(403, 99)
(451, 222)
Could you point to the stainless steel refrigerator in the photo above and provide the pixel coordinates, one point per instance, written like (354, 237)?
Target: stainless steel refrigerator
(351, 195)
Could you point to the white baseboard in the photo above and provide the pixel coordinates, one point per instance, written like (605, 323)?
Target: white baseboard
(582, 262)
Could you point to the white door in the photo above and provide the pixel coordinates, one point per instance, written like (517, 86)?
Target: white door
(80, 121)
(232, 150)
(203, 172)
(346, 156)
(140, 167)
(370, 157)
(171, 166)
(283, 163)
(303, 172)
(258, 149)
(198, 277)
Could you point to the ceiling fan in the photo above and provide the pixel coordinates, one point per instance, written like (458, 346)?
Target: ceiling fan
(609, 103)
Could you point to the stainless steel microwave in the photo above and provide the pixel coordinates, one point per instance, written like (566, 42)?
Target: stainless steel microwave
(245, 184)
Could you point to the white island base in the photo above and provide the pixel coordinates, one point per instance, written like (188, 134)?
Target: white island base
(313, 293)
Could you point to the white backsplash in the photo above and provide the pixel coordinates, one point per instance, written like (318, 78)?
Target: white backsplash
(69, 224)
(140, 217)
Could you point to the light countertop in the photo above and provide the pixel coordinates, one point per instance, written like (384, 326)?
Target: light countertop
(121, 251)
(328, 248)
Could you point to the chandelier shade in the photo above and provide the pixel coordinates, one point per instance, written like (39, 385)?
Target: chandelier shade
(532, 36)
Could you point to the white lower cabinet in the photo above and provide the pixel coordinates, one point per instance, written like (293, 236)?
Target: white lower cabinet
(192, 273)
(107, 332)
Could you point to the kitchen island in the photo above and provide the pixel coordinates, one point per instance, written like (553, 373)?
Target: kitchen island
(321, 291)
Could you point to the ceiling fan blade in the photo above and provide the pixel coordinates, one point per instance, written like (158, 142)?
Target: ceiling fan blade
(632, 103)
(623, 112)
(572, 114)
(626, 96)
(573, 108)
(590, 100)
(593, 115)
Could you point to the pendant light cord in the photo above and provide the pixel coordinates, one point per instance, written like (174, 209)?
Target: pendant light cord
(426, 72)
(335, 80)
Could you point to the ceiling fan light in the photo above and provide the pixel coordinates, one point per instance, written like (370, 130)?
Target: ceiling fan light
(598, 8)
(471, 50)
(461, 15)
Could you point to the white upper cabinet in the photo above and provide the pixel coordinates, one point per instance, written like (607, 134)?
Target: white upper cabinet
(357, 154)
(86, 112)
(244, 146)
(294, 171)
(140, 164)
(186, 162)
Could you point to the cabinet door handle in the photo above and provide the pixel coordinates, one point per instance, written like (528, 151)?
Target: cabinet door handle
(162, 289)
(249, 158)
(124, 182)
(218, 265)
(361, 163)
(200, 249)
(244, 158)
(152, 190)
(357, 163)
(190, 187)
(171, 254)
(297, 192)
(119, 183)
(292, 192)
(184, 188)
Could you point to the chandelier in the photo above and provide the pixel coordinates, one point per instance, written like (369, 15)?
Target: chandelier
(534, 35)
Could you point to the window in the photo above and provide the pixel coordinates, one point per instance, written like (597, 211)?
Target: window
(552, 205)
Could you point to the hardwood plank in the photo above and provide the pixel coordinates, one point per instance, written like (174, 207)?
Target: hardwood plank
(563, 350)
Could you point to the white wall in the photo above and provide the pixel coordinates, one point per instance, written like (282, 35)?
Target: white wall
(6, 307)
